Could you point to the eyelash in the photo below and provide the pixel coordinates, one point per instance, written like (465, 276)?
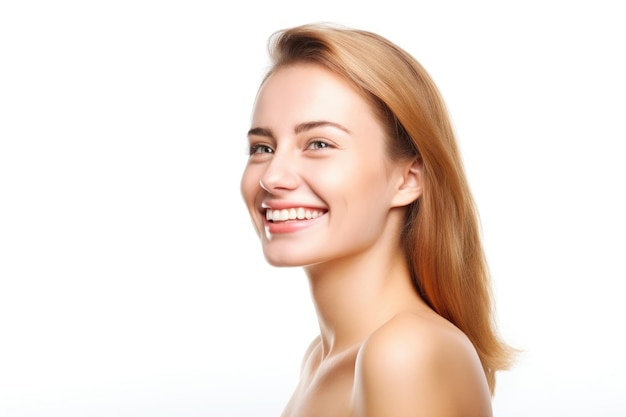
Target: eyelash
(318, 142)
(255, 149)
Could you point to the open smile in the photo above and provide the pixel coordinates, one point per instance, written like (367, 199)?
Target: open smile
(295, 213)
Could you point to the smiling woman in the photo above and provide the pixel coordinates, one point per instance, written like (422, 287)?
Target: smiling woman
(354, 174)
(315, 147)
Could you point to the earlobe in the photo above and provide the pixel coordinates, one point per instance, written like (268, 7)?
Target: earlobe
(410, 188)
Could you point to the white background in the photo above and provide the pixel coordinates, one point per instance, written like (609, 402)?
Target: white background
(131, 282)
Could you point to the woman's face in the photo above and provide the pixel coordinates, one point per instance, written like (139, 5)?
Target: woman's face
(319, 184)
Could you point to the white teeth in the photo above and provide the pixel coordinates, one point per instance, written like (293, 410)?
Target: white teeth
(299, 213)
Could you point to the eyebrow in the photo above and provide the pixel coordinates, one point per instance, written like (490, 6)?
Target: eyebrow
(302, 127)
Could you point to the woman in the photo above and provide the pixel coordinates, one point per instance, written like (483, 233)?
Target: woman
(354, 174)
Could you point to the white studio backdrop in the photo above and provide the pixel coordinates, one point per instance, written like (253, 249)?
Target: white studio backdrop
(131, 281)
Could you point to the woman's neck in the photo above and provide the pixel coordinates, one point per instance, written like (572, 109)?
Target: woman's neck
(355, 295)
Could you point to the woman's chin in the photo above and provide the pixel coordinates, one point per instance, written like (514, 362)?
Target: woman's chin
(289, 259)
(282, 261)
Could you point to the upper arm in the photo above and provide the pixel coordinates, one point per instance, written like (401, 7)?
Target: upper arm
(407, 368)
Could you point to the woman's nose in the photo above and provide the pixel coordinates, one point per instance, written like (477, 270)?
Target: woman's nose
(281, 174)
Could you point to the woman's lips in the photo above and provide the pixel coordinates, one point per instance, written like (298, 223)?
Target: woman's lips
(286, 221)
(294, 213)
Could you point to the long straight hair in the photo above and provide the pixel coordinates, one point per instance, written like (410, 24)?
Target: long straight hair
(441, 236)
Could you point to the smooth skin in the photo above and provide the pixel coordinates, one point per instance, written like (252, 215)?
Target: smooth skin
(316, 146)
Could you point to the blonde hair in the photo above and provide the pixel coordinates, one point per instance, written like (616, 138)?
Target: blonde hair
(441, 236)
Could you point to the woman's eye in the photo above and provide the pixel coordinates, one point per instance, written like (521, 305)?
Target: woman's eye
(260, 148)
(318, 144)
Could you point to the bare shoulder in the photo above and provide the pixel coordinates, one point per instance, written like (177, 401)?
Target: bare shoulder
(419, 365)
(310, 361)
(311, 355)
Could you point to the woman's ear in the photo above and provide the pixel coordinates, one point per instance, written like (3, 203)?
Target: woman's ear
(410, 186)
